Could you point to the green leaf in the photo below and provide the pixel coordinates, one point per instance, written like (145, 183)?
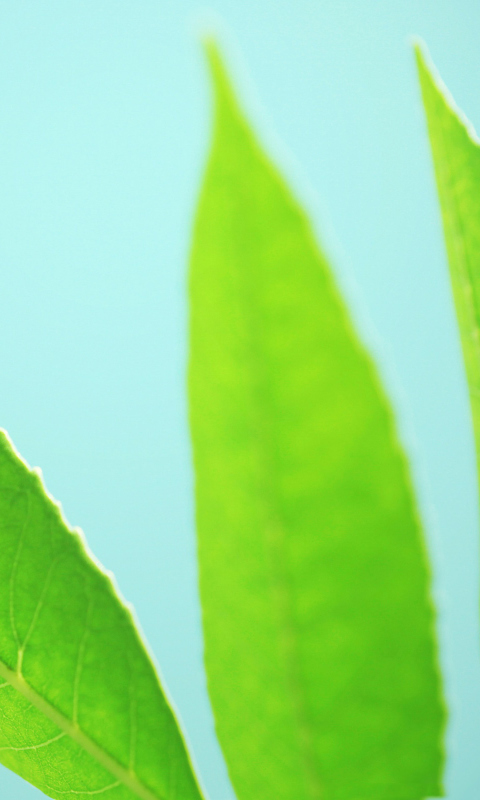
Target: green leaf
(456, 156)
(319, 629)
(82, 712)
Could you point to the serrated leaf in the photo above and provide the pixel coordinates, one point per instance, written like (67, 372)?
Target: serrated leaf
(82, 712)
(456, 156)
(319, 629)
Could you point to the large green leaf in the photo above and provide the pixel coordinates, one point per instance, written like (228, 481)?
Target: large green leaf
(82, 712)
(319, 630)
(456, 156)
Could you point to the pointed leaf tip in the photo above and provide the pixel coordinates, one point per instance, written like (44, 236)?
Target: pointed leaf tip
(225, 99)
(456, 158)
(319, 629)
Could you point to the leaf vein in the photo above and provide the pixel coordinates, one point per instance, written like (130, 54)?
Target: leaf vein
(80, 657)
(82, 791)
(39, 606)
(13, 574)
(108, 762)
(36, 746)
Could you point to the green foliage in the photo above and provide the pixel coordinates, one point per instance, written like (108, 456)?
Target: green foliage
(456, 156)
(319, 630)
(81, 707)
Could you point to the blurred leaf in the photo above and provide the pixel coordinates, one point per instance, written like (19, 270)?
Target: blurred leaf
(81, 708)
(456, 156)
(320, 648)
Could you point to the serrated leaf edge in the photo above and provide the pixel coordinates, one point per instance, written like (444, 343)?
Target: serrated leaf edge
(16, 680)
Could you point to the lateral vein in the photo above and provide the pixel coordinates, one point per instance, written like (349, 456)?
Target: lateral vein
(123, 775)
(95, 791)
(35, 746)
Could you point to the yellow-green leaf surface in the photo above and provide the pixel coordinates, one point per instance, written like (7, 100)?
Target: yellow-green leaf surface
(82, 712)
(319, 630)
(456, 156)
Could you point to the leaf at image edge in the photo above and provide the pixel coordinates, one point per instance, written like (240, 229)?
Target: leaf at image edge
(82, 711)
(456, 157)
(320, 648)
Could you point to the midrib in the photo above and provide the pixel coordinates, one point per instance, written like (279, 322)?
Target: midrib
(18, 682)
(275, 535)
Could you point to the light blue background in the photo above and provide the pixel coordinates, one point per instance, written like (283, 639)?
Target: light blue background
(104, 118)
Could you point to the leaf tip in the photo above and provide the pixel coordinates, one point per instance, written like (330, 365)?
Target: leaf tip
(426, 69)
(214, 59)
(420, 50)
(225, 100)
(434, 90)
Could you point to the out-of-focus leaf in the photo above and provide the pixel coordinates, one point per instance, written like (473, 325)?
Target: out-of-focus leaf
(456, 157)
(319, 630)
(82, 712)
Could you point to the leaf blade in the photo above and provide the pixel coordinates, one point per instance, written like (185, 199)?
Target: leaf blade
(81, 707)
(456, 157)
(279, 445)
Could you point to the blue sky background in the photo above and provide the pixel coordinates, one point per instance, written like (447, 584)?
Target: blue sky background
(104, 121)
